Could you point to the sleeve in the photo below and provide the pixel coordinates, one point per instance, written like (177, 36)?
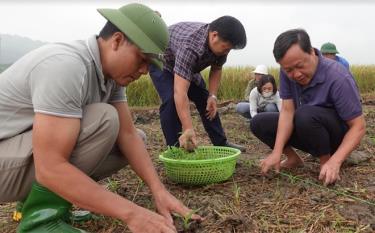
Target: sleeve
(278, 101)
(253, 99)
(185, 61)
(345, 96)
(118, 94)
(57, 86)
(285, 86)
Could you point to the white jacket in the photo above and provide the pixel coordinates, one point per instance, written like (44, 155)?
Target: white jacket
(258, 101)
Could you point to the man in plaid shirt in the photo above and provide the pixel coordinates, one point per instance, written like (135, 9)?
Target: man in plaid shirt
(193, 47)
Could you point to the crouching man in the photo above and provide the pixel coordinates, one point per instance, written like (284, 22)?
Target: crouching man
(321, 112)
(65, 123)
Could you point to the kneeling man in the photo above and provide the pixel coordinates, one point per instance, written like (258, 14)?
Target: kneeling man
(321, 110)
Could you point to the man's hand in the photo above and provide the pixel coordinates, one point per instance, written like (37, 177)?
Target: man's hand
(272, 161)
(166, 203)
(145, 221)
(188, 140)
(211, 107)
(330, 172)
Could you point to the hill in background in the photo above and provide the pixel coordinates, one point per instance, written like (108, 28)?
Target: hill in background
(13, 47)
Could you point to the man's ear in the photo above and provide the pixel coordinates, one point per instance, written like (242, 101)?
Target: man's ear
(312, 51)
(117, 39)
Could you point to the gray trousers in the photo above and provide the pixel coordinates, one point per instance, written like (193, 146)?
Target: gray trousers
(95, 153)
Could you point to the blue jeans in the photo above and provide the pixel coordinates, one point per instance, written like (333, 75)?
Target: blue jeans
(170, 122)
(243, 108)
(271, 107)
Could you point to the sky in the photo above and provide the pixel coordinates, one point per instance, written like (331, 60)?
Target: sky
(346, 23)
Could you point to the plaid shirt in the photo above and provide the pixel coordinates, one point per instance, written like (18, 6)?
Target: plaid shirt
(188, 52)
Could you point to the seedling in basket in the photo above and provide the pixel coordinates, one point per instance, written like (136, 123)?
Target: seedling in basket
(179, 153)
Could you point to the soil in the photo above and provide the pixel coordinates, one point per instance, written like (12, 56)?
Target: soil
(293, 201)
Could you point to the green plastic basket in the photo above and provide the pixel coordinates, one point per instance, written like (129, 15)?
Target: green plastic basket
(216, 164)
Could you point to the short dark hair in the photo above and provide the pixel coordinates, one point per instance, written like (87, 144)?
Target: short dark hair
(108, 30)
(286, 39)
(231, 30)
(264, 79)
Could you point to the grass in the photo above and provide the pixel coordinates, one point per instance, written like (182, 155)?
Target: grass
(236, 193)
(233, 84)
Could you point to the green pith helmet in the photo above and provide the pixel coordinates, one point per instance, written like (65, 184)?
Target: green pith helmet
(329, 48)
(143, 26)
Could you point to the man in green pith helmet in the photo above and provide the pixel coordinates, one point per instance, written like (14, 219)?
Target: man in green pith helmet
(329, 50)
(65, 123)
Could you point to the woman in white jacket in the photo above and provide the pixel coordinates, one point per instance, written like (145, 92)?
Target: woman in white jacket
(264, 97)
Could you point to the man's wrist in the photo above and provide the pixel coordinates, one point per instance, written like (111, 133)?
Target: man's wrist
(157, 187)
(213, 96)
(335, 160)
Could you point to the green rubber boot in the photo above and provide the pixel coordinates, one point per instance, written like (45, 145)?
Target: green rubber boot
(44, 211)
(76, 216)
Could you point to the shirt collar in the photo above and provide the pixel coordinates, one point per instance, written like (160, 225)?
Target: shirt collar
(92, 45)
(317, 77)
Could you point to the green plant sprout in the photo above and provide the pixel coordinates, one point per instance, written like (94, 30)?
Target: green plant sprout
(113, 185)
(236, 192)
(186, 220)
(178, 153)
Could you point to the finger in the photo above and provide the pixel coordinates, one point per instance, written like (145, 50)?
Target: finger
(277, 168)
(197, 217)
(182, 143)
(214, 113)
(322, 174)
(264, 169)
(183, 211)
(167, 216)
(194, 141)
(167, 221)
(208, 115)
(262, 164)
(208, 106)
(328, 179)
(169, 229)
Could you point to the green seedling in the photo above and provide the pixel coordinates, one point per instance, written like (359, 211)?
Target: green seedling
(186, 220)
(113, 185)
(236, 192)
(179, 153)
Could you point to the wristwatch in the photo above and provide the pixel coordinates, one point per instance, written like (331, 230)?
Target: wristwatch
(213, 96)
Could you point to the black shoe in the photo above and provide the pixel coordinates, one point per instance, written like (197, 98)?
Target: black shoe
(235, 146)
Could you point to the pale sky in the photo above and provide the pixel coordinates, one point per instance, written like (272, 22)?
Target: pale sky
(347, 23)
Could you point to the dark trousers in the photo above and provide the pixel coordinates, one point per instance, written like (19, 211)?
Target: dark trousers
(317, 130)
(170, 122)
